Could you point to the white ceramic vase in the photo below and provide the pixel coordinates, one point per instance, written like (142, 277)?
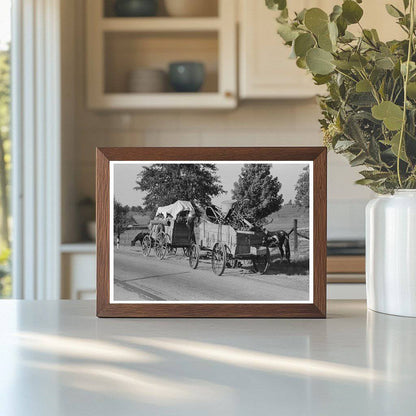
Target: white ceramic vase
(391, 253)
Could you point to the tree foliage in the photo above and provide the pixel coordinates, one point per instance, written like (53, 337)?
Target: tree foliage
(167, 183)
(369, 113)
(120, 217)
(302, 189)
(257, 192)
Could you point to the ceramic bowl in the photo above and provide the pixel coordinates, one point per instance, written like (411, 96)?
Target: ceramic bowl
(135, 8)
(147, 80)
(186, 76)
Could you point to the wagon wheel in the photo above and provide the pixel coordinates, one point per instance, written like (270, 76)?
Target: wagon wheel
(185, 251)
(161, 245)
(219, 258)
(194, 256)
(146, 245)
(262, 263)
(231, 261)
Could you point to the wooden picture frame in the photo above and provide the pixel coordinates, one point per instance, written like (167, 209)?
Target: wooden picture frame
(315, 307)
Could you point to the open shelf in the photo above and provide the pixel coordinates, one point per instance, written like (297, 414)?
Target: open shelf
(116, 46)
(211, 9)
(127, 51)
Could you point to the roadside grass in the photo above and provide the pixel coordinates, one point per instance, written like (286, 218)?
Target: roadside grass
(283, 219)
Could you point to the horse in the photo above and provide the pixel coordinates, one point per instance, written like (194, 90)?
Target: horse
(139, 237)
(280, 239)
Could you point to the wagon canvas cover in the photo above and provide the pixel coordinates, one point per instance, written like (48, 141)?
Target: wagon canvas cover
(175, 208)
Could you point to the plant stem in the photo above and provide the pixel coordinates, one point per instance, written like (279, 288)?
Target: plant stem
(345, 75)
(406, 80)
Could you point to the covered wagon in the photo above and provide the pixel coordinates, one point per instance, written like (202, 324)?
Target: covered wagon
(169, 229)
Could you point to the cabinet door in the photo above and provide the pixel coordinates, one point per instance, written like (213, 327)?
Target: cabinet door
(265, 68)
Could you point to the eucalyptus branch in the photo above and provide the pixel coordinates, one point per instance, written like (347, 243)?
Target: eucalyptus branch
(406, 80)
(346, 75)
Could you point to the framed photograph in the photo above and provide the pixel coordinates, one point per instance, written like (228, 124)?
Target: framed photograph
(211, 232)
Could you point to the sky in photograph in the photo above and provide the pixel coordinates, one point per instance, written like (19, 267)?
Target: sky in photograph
(5, 21)
(125, 180)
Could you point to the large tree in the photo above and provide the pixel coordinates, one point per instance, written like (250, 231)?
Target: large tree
(302, 189)
(257, 192)
(166, 183)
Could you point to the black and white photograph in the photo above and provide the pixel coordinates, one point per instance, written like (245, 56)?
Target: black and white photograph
(211, 232)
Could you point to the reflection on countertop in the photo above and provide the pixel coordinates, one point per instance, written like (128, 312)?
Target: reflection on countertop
(63, 360)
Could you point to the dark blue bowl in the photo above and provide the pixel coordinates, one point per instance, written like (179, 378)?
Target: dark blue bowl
(186, 76)
(136, 8)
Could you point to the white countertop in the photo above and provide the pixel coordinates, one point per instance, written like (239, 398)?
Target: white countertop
(57, 359)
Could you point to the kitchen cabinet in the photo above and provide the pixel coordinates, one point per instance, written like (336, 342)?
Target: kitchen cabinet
(265, 70)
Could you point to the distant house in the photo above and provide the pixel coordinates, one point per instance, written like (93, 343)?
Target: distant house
(136, 221)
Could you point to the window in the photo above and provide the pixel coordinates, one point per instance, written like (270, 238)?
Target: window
(5, 147)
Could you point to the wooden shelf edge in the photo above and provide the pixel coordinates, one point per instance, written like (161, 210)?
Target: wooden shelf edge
(81, 247)
(159, 24)
(131, 101)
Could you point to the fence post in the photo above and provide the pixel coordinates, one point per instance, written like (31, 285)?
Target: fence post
(295, 235)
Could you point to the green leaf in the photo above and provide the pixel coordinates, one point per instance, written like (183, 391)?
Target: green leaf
(368, 36)
(374, 175)
(394, 145)
(411, 90)
(343, 145)
(406, 4)
(316, 20)
(393, 11)
(351, 11)
(327, 40)
(347, 37)
(319, 61)
(325, 43)
(358, 61)
(361, 99)
(342, 25)
(301, 63)
(375, 35)
(286, 32)
(321, 79)
(358, 160)
(364, 181)
(341, 64)
(385, 63)
(391, 114)
(374, 150)
(336, 12)
(412, 67)
(276, 4)
(300, 17)
(303, 43)
(363, 86)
